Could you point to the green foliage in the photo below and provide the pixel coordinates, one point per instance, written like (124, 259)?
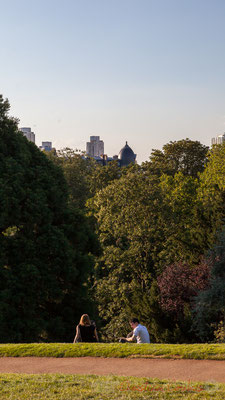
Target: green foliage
(183, 227)
(76, 171)
(151, 217)
(102, 176)
(211, 192)
(186, 156)
(144, 223)
(44, 246)
(219, 333)
(129, 246)
(84, 176)
(210, 304)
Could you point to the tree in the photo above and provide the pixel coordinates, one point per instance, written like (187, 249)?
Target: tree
(77, 171)
(148, 219)
(84, 176)
(211, 192)
(182, 220)
(179, 283)
(186, 156)
(44, 246)
(209, 305)
(102, 176)
(130, 236)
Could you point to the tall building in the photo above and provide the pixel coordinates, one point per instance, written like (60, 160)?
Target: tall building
(46, 146)
(95, 148)
(29, 135)
(218, 140)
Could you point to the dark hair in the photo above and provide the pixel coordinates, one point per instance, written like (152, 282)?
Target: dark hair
(134, 320)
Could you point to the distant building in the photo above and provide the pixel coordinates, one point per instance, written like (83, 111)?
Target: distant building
(218, 140)
(95, 148)
(46, 146)
(126, 157)
(29, 135)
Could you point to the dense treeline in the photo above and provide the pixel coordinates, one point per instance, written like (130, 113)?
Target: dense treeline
(142, 240)
(156, 224)
(45, 245)
(152, 219)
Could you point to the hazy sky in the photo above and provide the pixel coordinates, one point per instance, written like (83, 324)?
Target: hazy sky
(145, 71)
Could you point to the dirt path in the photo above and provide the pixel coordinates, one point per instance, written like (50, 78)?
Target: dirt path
(193, 370)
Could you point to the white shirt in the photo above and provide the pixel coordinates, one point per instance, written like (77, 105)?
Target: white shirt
(141, 333)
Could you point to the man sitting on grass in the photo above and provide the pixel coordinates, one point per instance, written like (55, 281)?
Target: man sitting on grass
(140, 333)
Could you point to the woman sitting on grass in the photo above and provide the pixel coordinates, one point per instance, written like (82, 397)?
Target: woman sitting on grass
(86, 331)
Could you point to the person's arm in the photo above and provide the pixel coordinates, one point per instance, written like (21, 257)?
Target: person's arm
(77, 336)
(134, 336)
(130, 339)
(96, 335)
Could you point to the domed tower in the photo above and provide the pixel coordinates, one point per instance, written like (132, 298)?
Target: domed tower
(126, 156)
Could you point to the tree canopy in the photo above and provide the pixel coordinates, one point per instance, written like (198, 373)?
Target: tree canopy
(186, 156)
(44, 246)
(209, 304)
(148, 220)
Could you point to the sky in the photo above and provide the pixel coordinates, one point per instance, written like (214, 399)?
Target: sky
(143, 71)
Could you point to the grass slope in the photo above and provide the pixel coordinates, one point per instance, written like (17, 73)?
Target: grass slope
(86, 387)
(187, 351)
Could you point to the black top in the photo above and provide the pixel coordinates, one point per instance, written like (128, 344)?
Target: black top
(87, 333)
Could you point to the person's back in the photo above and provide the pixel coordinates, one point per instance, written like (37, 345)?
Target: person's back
(87, 333)
(141, 333)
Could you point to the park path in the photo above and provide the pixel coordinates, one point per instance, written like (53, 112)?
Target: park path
(193, 370)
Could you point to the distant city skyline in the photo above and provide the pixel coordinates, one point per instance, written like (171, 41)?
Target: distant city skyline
(95, 147)
(143, 71)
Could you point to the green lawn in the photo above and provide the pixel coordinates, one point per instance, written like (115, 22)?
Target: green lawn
(85, 387)
(188, 351)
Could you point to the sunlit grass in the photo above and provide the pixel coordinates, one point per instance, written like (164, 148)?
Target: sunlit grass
(121, 350)
(85, 387)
